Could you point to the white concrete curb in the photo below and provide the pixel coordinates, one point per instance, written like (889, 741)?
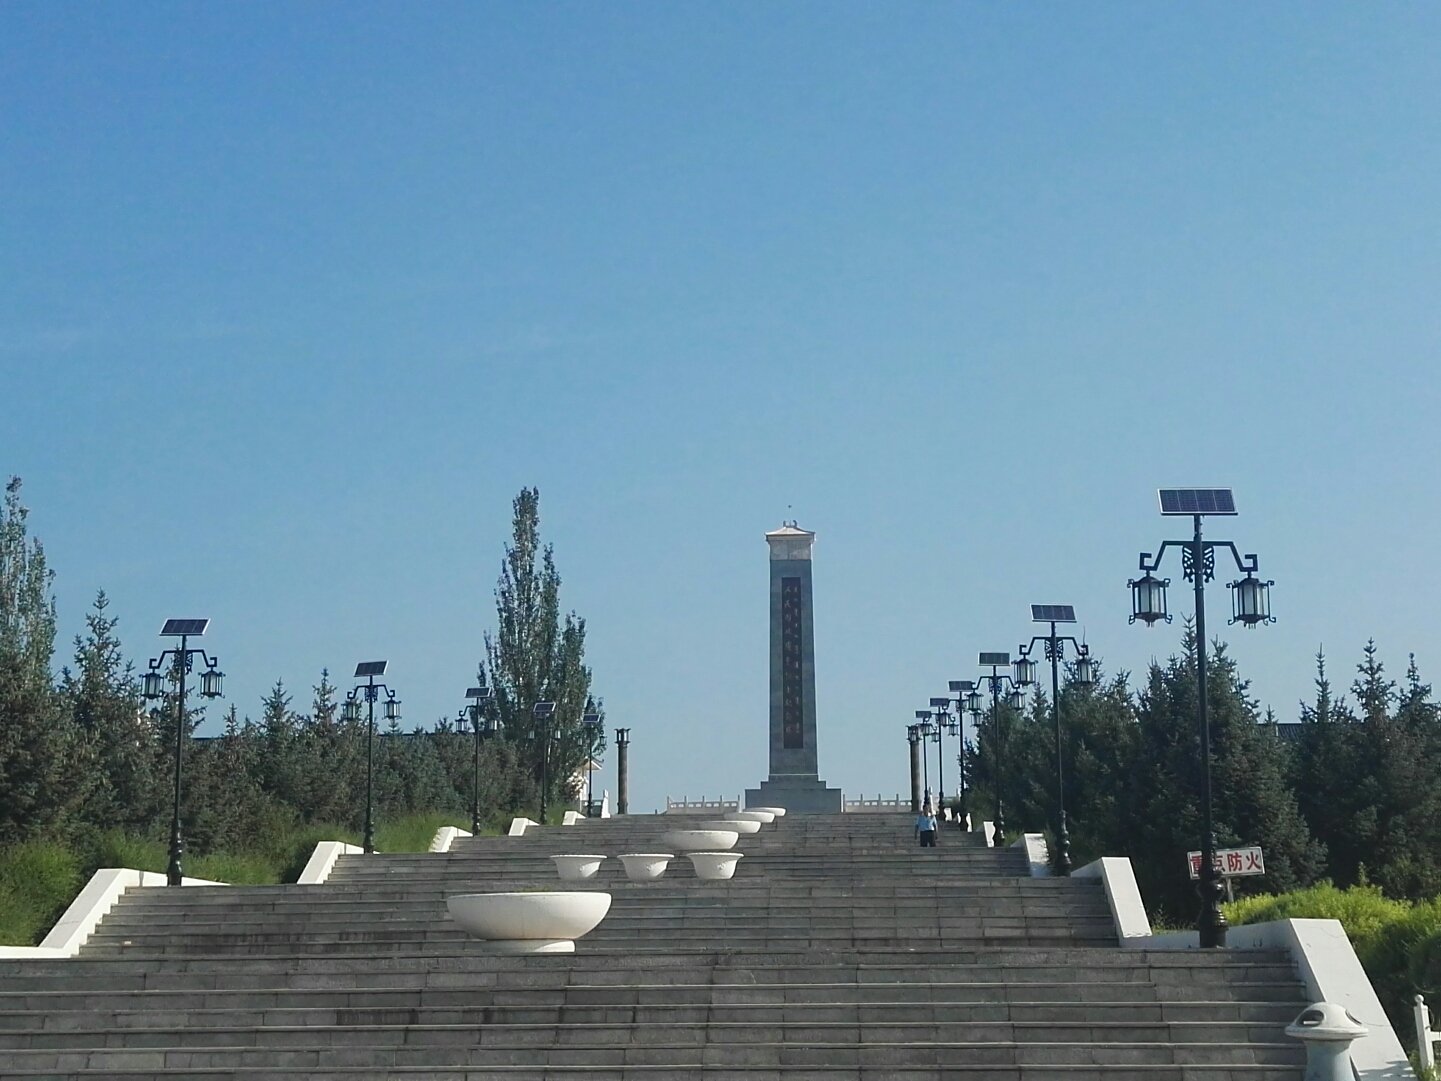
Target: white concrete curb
(1320, 950)
(445, 837)
(1038, 853)
(518, 826)
(571, 818)
(89, 908)
(322, 861)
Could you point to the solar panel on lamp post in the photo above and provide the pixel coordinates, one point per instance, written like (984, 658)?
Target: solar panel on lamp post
(1053, 614)
(998, 680)
(1251, 605)
(369, 691)
(479, 697)
(153, 687)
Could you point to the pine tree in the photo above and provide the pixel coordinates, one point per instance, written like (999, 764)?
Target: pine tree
(43, 760)
(104, 701)
(535, 656)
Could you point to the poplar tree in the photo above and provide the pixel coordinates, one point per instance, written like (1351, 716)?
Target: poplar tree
(537, 655)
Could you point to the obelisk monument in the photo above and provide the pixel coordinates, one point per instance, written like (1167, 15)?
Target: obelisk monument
(794, 782)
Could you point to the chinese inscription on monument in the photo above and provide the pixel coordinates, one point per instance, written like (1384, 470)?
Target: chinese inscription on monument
(792, 713)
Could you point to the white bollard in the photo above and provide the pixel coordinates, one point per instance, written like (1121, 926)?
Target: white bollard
(1328, 1030)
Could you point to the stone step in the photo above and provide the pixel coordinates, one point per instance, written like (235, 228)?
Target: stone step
(1233, 1071)
(850, 1053)
(80, 1012)
(508, 1035)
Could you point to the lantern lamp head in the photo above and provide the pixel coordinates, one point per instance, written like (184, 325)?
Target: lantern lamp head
(1251, 602)
(1148, 599)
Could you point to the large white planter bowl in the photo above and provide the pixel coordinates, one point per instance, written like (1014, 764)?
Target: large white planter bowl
(752, 816)
(573, 868)
(739, 825)
(700, 840)
(779, 812)
(547, 922)
(644, 866)
(714, 866)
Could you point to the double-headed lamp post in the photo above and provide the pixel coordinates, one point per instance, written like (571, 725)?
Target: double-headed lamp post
(1084, 674)
(923, 729)
(542, 713)
(484, 726)
(153, 687)
(940, 712)
(369, 691)
(1250, 605)
(590, 723)
(1015, 698)
(964, 690)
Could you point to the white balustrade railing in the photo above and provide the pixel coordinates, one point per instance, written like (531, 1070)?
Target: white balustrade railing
(878, 803)
(700, 806)
(1426, 1036)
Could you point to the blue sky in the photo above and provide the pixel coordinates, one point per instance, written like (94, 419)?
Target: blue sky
(299, 296)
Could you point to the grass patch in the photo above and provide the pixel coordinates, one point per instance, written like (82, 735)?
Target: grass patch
(39, 879)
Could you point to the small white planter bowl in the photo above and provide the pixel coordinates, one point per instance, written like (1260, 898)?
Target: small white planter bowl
(779, 812)
(700, 840)
(752, 816)
(573, 868)
(545, 922)
(644, 866)
(738, 825)
(714, 866)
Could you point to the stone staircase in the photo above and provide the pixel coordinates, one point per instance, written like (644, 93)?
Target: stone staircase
(839, 950)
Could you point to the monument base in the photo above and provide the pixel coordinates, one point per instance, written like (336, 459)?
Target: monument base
(798, 795)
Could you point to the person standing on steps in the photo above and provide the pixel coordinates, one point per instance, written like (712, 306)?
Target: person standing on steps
(926, 826)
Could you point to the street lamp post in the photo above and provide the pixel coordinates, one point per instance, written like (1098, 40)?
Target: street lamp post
(1053, 614)
(1015, 699)
(1250, 605)
(590, 721)
(370, 691)
(963, 689)
(924, 728)
(940, 713)
(484, 726)
(542, 712)
(153, 687)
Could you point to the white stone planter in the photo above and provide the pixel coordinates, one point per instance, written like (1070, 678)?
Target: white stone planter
(713, 866)
(752, 816)
(700, 840)
(779, 812)
(644, 866)
(574, 868)
(546, 922)
(737, 825)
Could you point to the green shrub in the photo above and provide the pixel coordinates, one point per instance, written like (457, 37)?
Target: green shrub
(38, 880)
(414, 832)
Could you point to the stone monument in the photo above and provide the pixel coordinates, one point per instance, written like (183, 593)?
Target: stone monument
(794, 782)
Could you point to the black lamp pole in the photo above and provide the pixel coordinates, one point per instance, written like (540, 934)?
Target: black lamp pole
(961, 688)
(1054, 644)
(542, 712)
(479, 697)
(995, 662)
(1251, 605)
(370, 690)
(923, 730)
(591, 723)
(182, 660)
